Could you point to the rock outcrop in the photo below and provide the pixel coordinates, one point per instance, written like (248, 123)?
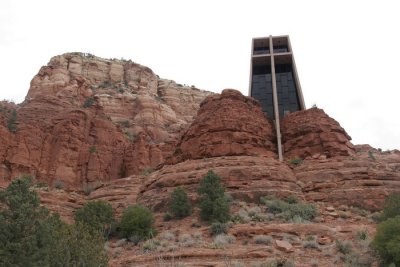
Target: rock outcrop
(244, 177)
(228, 124)
(364, 180)
(88, 120)
(312, 132)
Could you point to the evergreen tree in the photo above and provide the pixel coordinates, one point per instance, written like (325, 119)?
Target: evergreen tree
(213, 203)
(23, 224)
(31, 236)
(179, 204)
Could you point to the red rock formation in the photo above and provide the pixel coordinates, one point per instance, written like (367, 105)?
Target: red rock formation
(87, 119)
(226, 125)
(311, 132)
(245, 177)
(363, 180)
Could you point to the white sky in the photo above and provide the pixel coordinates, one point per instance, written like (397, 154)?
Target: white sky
(346, 51)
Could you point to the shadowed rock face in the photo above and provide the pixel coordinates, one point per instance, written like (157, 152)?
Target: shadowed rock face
(228, 124)
(312, 132)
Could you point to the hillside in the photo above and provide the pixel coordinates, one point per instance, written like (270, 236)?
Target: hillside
(107, 129)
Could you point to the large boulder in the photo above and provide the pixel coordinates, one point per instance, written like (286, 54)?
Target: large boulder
(228, 124)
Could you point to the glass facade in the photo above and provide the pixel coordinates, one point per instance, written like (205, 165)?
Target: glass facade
(280, 48)
(261, 50)
(262, 88)
(286, 87)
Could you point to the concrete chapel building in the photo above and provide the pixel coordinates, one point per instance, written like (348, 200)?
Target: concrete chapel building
(274, 81)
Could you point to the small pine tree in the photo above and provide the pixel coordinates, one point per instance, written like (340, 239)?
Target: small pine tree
(213, 203)
(179, 204)
(31, 236)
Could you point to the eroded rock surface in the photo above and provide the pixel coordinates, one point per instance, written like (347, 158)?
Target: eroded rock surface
(245, 177)
(312, 132)
(228, 124)
(88, 120)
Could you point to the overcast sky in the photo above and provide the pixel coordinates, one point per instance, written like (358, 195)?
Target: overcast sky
(347, 52)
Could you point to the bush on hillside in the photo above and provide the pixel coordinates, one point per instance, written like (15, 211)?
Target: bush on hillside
(219, 228)
(180, 204)
(12, 122)
(31, 236)
(137, 223)
(290, 211)
(213, 203)
(97, 216)
(391, 208)
(387, 241)
(76, 245)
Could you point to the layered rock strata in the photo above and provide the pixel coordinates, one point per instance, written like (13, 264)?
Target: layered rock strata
(244, 177)
(228, 124)
(89, 120)
(312, 132)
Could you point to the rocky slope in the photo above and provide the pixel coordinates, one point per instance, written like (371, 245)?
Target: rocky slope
(97, 129)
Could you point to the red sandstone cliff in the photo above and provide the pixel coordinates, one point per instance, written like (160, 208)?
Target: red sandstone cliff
(87, 120)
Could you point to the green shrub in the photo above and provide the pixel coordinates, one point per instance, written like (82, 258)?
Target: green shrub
(125, 123)
(97, 215)
(92, 149)
(21, 220)
(58, 184)
(31, 236)
(147, 171)
(292, 199)
(295, 212)
(391, 208)
(275, 206)
(296, 161)
(180, 204)
(303, 210)
(310, 244)
(218, 228)
(263, 239)
(371, 155)
(355, 259)
(213, 203)
(344, 247)
(12, 121)
(89, 102)
(137, 221)
(387, 241)
(362, 234)
(167, 217)
(76, 245)
(130, 136)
